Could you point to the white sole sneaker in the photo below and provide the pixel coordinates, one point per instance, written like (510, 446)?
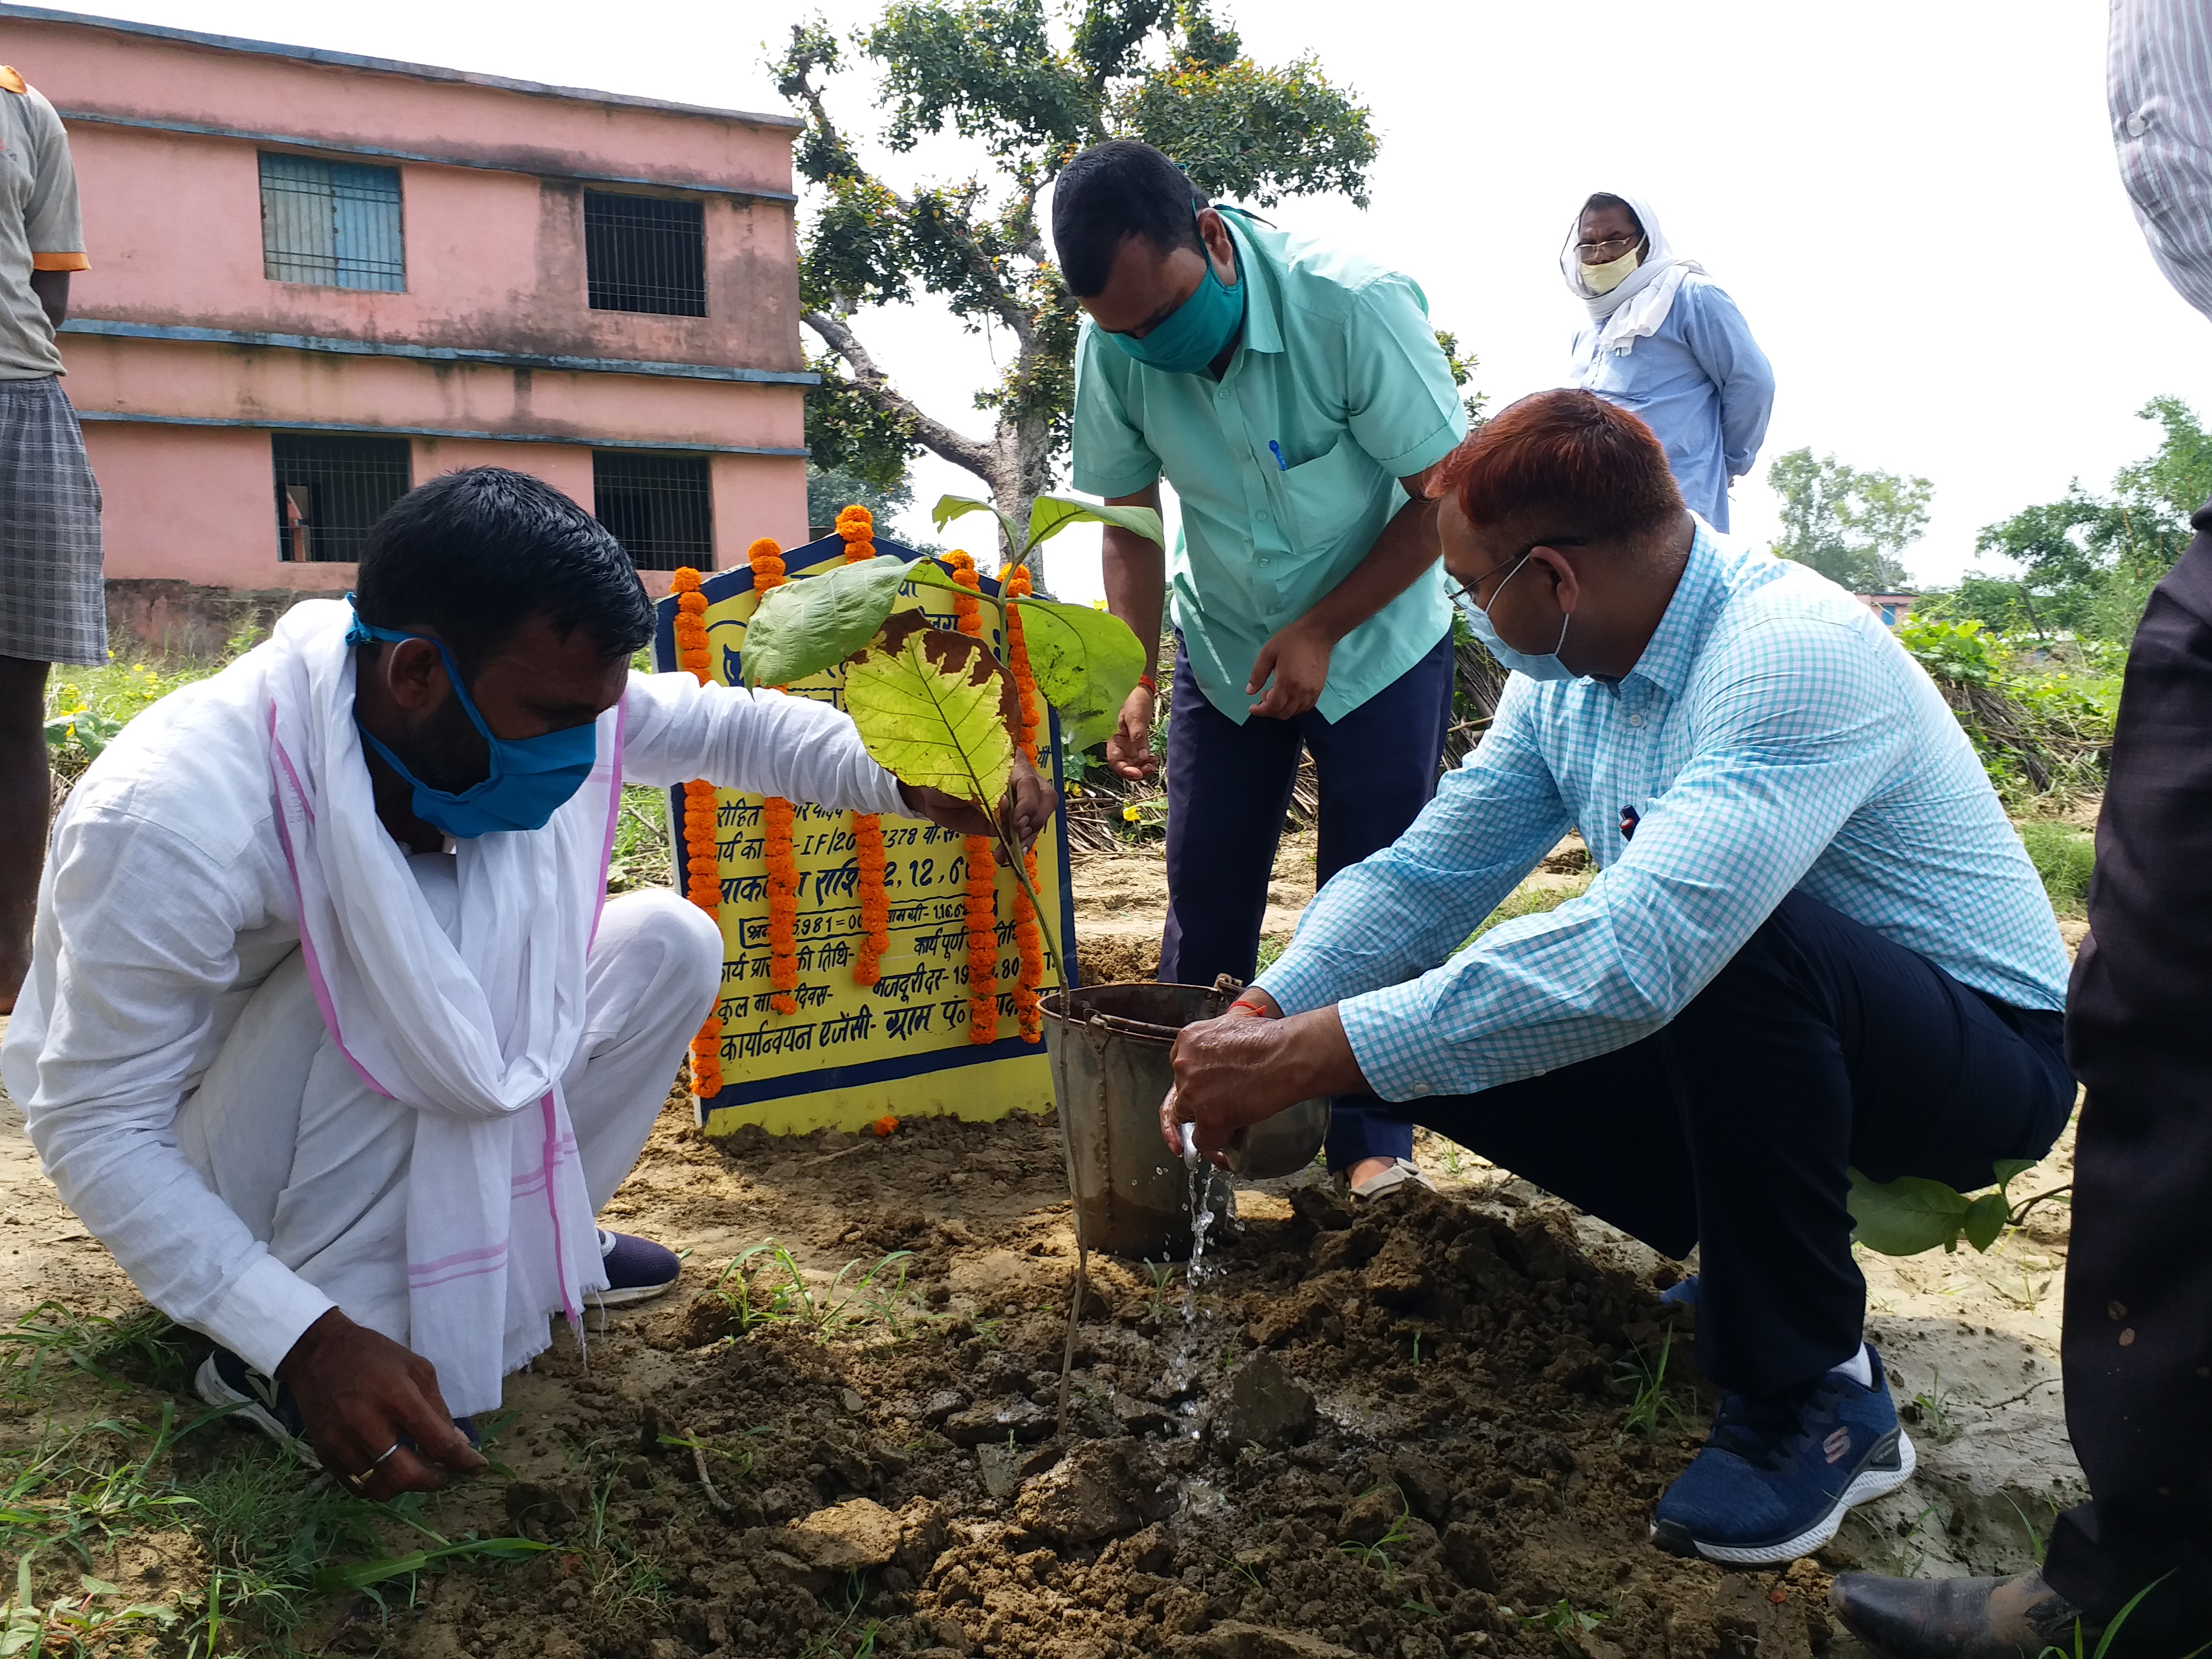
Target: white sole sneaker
(1867, 1485)
(252, 1411)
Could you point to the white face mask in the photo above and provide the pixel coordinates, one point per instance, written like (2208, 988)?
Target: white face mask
(1603, 279)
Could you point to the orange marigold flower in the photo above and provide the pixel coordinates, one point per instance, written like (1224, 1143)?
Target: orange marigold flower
(886, 1126)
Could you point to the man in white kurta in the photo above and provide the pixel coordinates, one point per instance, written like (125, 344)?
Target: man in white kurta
(291, 1148)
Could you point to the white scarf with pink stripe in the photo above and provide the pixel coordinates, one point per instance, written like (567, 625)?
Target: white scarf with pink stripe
(473, 1030)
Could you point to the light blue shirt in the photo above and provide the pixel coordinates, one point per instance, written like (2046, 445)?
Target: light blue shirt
(1701, 383)
(1287, 468)
(1772, 737)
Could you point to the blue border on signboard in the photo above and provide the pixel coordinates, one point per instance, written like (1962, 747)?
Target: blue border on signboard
(726, 584)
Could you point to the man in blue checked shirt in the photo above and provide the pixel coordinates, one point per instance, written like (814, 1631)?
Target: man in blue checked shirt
(1814, 944)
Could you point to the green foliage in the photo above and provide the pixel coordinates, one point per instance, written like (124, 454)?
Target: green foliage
(802, 627)
(1085, 662)
(2065, 857)
(1962, 652)
(1848, 525)
(85, 710)
(930, 706)
(1911, 1214)
(1653, 1411)
(2039, 713)
(831, 490)
(1031, 87)
(1462, 371)
(1240, 129)
(856, 436)
(764, 1284)
(2086, 563)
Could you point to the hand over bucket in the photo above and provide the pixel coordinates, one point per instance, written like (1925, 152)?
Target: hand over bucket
(1111, 1070)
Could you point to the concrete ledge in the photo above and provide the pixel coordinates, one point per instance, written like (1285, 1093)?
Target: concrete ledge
(174, 621)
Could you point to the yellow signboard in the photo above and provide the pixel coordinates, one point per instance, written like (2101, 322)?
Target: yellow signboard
(850, 1053)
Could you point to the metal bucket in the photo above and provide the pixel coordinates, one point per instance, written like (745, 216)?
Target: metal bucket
(1110, 1071)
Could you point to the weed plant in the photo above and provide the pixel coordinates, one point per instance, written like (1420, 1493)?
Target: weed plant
(777, 1292)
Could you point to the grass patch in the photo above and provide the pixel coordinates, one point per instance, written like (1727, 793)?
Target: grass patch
(258, 1546)
(764, 1286)
(2065, 857)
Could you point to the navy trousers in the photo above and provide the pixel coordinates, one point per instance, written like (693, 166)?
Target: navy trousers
(1821, 1046)
(1228, 788)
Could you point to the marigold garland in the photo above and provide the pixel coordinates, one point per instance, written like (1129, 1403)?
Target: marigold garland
(1028, 1009)
(701, 854)
(857, 526)
(983, 908)
(766, 557)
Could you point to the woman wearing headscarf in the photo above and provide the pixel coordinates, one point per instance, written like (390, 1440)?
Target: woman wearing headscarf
(1667, 343)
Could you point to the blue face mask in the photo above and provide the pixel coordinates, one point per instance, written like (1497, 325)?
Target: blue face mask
(531, 777)
(1545, 667)
(1195, 333)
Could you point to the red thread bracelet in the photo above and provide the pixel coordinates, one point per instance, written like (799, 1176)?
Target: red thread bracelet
(1257, 1008)
(1149, 684)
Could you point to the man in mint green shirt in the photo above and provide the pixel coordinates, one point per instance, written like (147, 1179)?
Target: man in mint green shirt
(1295, 396)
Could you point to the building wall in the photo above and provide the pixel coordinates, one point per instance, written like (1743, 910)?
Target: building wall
(494, 260)
(492, 179)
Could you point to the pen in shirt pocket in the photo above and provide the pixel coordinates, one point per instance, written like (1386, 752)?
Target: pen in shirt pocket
(1275, 447)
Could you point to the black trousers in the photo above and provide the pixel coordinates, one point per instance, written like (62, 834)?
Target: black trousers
(1821, 1046)
(2138, 1332)
(1228, 788)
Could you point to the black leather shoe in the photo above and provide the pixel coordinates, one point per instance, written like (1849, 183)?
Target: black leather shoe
(1956, 1618)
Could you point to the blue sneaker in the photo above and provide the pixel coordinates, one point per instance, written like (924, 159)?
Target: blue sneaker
(636, 1268)
(1775, 1479)
(1682, 1293)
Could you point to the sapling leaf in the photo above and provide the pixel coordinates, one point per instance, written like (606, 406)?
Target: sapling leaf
(950, 507)
(931, 707)
(2006, 1168)
(1050, 514)
(1906, 1215)
(815, 621)
(1985, 1220)
(1086, 663)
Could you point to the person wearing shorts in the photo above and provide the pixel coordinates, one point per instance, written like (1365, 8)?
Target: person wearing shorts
(53, 606)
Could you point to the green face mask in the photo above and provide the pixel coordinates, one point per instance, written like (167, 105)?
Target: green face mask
(1194, 333)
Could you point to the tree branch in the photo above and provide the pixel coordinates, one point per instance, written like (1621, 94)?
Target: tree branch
(961, 450)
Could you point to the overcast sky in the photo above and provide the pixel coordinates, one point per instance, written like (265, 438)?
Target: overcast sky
(1915, 204)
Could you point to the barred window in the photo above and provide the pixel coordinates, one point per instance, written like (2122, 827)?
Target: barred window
(330, 491)
(645, 254)
(657, 506)
(335, 223)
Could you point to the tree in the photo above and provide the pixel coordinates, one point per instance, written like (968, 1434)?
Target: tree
(999, 73)
(831, 490)
(2086, 563)
(1848, 525)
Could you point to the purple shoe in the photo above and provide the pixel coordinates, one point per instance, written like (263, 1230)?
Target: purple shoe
(637, 1269)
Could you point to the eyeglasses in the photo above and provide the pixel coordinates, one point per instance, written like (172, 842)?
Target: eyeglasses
(1619, 244)
(1466, 591)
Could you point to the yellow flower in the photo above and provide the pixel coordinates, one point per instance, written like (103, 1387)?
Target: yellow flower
(1075, 791)
(1130, 814)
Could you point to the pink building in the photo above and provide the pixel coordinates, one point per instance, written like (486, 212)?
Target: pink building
(317, 279)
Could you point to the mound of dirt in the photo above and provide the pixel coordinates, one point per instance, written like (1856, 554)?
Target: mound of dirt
(1402, 1433)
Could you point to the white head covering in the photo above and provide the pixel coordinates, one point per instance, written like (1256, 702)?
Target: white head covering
(1641, 303)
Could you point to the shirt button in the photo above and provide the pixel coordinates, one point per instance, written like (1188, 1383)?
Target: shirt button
(2137, 125)
(1636, 719)
(1262, 517)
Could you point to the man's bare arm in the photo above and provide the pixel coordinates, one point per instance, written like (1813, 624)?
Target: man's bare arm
(1136, 573)
(1298, 656)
